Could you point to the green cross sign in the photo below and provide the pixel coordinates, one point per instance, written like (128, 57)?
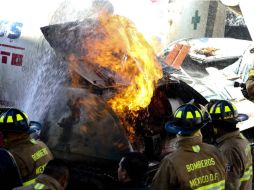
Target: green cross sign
(195, 20)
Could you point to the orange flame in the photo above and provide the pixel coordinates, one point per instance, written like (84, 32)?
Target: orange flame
(120, 48)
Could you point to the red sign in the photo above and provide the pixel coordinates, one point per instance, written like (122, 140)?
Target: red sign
(14, 58)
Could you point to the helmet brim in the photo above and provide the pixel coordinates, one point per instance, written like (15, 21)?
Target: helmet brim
(170, 127)
(241, 117)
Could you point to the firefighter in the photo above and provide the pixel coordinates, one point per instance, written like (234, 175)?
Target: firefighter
(232, 144)
(54, 177)
(194, 164)
(250, 84)
(30, 155)
(131, 171)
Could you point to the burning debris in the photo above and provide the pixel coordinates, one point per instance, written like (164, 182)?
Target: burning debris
(111, 54)
(117, 46)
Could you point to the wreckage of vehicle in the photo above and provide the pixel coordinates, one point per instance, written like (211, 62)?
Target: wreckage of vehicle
(217, 68)
(83, 126)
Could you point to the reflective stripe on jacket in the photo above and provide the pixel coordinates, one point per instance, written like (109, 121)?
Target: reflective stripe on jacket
(193, 165)
(42, 182)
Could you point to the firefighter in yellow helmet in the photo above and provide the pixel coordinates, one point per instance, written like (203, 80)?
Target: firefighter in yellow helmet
(232, 144)
(250, 84)
(194, 164)
(30, 155)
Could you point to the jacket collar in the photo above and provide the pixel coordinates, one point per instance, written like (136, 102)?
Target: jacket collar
(188, 141)
(228, 136)
(14, 143)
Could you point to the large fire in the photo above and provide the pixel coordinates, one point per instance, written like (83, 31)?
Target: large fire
(122, 49)
(117, 46)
